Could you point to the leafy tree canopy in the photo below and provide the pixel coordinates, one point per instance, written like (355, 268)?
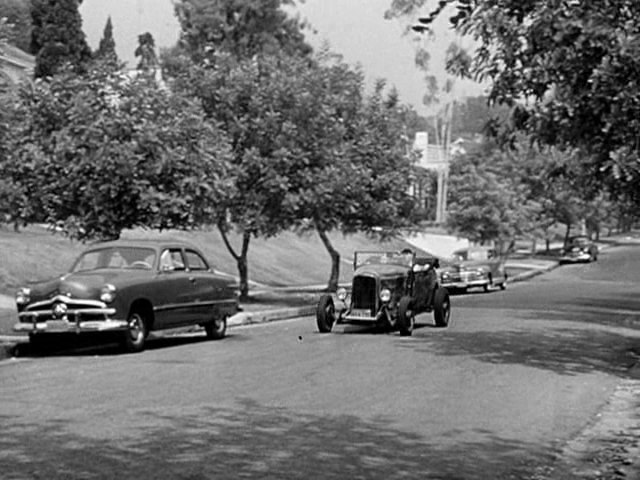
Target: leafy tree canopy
(568, 69)
(99, 153)
(57, 38)
(15, 23)
(107, 46)
(240, 27)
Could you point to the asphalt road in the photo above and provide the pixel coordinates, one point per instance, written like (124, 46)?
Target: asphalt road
(495, 395)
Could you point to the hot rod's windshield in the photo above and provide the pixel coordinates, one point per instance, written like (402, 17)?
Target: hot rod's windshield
(392, 258)
(116, 258)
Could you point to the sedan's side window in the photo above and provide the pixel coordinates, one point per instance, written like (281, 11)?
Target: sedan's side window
(171, 259)
(195, 261)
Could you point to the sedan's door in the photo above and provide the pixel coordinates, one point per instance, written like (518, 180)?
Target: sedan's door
(173, 292)
(210, 292)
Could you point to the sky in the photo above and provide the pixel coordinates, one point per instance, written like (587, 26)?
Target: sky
(355, 29)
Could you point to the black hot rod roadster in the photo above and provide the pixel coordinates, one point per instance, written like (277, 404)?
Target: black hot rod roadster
(388, 290)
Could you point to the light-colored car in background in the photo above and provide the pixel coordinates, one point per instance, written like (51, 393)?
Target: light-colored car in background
(579, 248)
(472, 267)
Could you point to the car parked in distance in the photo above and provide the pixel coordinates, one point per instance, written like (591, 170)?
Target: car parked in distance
(473, 267)
(388, 290)
(579, 248)
(129, 287)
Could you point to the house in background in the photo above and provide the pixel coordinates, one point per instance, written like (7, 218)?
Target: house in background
(15, 65)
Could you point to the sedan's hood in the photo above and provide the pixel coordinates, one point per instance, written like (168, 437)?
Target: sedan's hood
(457, 265)
(83, 285)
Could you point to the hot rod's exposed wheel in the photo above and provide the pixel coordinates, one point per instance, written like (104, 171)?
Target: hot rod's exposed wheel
(136, 333)
(325, 314)
(216, 329)
(406, 317)
(441, 307)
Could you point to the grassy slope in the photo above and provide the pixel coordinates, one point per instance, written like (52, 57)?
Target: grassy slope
(288, 259)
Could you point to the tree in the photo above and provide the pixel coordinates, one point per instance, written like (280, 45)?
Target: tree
(107, 46)
(488, 202)
(357, 169)
(567, 69)
(146, 50)
(57, 39)
(98, 153)
(15, 23)
(242, 28)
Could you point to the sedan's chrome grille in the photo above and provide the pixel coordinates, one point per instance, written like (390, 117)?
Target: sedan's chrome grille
(62, 307)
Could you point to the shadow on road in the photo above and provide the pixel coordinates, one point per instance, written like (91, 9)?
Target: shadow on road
(564, 351)
(87, 346)
(254, 441)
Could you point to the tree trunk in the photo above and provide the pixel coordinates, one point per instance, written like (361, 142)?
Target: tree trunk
(567, 233)
(241, 260)
(332, 286)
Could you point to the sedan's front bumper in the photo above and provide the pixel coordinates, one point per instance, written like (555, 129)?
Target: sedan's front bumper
(65, 326)
(76, 316)
(574, 258)
(464, 280)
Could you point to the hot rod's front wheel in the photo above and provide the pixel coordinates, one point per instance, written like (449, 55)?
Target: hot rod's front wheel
(325, 314)
(406, 317)
(441, 307)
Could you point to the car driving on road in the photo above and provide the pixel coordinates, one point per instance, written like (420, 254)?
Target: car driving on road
(388, 290)
(578, 249)
(129, 287)
(474, 267)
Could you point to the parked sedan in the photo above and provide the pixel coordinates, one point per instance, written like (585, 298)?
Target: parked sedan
(473, 267)
(579, 249)
(132, 288)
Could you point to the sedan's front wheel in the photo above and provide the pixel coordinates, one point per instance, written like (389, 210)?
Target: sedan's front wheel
(136, 334)
(216, 329)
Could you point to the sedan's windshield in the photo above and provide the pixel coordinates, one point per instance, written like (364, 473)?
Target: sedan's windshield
(116, 258)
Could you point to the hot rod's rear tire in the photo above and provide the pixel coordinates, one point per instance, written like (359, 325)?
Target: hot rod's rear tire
(406, 317)
(441, 307)
(325, 314)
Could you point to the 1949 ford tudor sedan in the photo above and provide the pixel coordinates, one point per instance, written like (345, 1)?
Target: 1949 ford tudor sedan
(388, 290)
(132, 288)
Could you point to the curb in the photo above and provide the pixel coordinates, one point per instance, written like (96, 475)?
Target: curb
(8, 343)
(533, 273)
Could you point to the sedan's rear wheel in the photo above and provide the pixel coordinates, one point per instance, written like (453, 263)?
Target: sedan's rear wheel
(136, 333)
(441, 307)
(325, 314)
(216, 329)
(406, 317)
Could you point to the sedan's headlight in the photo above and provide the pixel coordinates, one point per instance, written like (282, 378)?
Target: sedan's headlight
(341, 294)
(385, 294)
(23, 296)
(108, 293)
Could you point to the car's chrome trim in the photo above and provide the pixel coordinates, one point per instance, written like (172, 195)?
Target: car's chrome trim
(63, 326)
(193, 305)
(65, 299)
(79, 311)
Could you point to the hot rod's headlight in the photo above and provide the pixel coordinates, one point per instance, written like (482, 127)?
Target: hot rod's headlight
(108, 293)
(23, 296)
(341, 294)
(385, 294)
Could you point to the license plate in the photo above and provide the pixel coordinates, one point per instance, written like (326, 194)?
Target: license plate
(57, 326)
(360, 313)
